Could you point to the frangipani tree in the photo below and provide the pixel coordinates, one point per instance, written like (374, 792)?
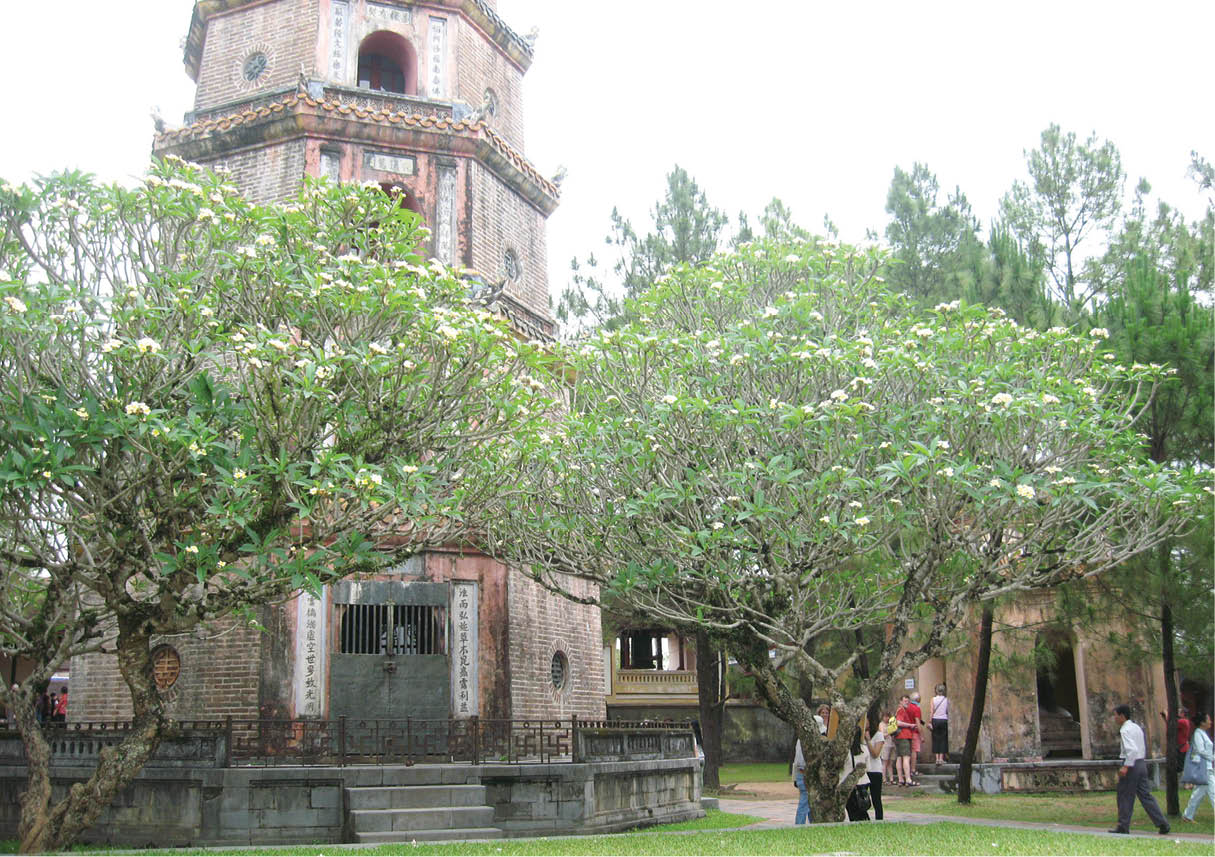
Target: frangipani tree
(207, 404)
(779, 450)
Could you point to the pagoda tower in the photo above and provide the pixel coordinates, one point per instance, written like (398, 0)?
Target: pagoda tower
(422, 98)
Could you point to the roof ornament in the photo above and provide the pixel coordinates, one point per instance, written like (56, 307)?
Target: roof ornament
(158, 121)
(532, 35)
(559, 176)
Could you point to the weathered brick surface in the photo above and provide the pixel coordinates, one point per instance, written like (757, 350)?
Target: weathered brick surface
(481, 65)
(219, 677)
(270, 174)
(285, 30)
(542, 623)
(501, 219)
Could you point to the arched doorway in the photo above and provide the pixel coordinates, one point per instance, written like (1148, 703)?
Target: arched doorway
(1058, 697)
(388, 63)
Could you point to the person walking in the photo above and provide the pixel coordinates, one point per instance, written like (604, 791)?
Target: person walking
(803, 815)
(939, 717)
(875, 764)
(1133, 775)
(1201, 746)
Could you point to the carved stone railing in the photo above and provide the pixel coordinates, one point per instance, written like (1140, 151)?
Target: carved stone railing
(349, 741)
(655, 681)
(611, 743)
(201, 744)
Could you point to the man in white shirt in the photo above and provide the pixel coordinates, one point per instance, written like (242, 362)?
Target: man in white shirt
(1133, 775)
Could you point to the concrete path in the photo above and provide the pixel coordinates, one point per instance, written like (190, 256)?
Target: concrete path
(779, 813)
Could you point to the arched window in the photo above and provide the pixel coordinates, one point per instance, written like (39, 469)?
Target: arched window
(388, 63)
(401, 194)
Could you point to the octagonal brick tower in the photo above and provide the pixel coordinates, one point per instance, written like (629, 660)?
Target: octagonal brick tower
(421, 97)
(424, 99)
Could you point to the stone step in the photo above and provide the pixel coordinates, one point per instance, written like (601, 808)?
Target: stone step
(934, 783)
(435, 818)
(430, 835)
(413, 797)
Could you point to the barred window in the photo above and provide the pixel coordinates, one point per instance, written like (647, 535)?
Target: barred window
(392, 629)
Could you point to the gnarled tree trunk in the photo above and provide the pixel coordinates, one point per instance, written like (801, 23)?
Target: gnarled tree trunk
(54, 828)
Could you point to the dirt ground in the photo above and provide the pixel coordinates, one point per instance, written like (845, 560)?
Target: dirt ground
(760, 791)
(781, 791)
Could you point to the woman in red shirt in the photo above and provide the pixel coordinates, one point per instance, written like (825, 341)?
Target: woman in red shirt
(902, 740)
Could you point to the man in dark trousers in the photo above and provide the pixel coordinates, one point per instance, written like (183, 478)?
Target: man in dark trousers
(1133, 775)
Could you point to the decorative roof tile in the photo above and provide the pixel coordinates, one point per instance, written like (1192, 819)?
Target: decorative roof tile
(301, 101)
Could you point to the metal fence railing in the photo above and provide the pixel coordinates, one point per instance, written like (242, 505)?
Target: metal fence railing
(349, 741)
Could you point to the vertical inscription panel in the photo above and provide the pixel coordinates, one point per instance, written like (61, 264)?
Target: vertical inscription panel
(446, 233)
(465, 699)
(339, 18)
(310, 655)
(437, 64)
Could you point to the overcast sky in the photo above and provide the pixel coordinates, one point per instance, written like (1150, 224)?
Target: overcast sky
(812, 102)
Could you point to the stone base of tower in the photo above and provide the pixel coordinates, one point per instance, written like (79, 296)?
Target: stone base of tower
(445, 634)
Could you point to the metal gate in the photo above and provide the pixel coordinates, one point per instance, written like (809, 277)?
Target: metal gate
(391, 655)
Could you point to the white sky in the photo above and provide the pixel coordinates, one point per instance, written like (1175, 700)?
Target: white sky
(812, 102)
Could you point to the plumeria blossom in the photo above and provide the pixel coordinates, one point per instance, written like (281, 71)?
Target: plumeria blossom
(192, 381)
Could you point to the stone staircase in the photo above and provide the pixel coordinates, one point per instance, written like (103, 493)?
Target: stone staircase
(937, 778)
(418, 809)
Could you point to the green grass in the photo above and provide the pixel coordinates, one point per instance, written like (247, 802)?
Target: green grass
(754, 772)
(1088, 809)
(714, 819)
(860, 839)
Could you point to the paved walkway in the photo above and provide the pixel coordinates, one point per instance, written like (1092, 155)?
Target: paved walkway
(779, 813)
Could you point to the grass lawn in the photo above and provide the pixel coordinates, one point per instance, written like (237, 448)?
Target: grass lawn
(1091, 809)
(754, 772)
(860, 839)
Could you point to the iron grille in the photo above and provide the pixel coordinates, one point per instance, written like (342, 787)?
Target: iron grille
(392, 629)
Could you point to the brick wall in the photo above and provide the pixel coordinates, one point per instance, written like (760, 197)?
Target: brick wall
(540, 624)
(502, 219)
(271, 174)
(285, 30)
(219, 677)
(480, 64)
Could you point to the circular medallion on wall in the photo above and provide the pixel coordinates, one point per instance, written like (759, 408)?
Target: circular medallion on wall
(166, 667)
(253, 68)
(511, 266)
(561, 668)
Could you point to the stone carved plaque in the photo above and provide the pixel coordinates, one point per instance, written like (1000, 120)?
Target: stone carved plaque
(339, 20)
(331, 166)
(465, 696)
(437, 59)
(445, 248)
(311, 654)
(390, 13)
(166, 667)
(400, 165)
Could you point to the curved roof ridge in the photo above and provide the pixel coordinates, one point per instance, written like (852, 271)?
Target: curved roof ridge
(248, 113)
